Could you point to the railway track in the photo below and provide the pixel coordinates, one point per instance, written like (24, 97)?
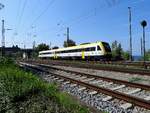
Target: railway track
(116, 68)
(127, 95)
(122, 63)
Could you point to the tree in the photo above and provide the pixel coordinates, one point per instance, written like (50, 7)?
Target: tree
(69, 43)
(147, 55)
(125, 55)
(55, 47)
(42, 47)
(119, 50)
(116, 50)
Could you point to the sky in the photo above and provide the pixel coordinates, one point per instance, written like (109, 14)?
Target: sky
(45, 21)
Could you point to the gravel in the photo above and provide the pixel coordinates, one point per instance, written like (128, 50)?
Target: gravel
(142, 94)
(95, 100)
(142, 79)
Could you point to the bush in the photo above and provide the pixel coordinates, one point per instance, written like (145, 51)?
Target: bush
(22, 92)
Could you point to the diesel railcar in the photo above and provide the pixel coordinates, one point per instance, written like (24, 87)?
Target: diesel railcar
(87, 51)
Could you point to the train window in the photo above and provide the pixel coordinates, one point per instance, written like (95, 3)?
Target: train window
(92, 48)
(74, 50)
(77, 50)
(98, 48)
(106, 46)
(45, 53)
(87, 49)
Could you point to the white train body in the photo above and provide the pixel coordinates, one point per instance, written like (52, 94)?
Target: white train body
(96, 51)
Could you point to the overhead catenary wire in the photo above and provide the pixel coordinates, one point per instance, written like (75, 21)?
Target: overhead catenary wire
(43, 12)
(18, 9)
(87, 15)
(17, 18)
(91, 13)
(40, 15)
(78, 19)
(22, 12)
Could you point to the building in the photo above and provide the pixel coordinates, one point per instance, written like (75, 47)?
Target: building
(16, 52)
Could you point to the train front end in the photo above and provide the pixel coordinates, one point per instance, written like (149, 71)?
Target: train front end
(106, 50)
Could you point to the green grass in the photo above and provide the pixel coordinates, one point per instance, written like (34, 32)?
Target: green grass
(23, 92)
(135, 79)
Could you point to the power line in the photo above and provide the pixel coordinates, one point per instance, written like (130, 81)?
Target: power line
(91, 13)
(42, 13)
(17, 18)
(22, 11)
(19, 4)
(78, 19)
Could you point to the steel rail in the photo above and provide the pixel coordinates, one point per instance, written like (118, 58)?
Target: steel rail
(128, 98)
(100, 67)
(136, 85)
(122, 63)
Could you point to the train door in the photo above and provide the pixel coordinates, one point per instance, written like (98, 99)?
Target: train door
(54, 55)
(83, 55)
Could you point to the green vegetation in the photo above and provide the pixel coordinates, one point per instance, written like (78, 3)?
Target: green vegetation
(55, 47)
(147, 55)
(69, 43)
(135, 79)
(118, 53)
(23, 92)
(42, 47)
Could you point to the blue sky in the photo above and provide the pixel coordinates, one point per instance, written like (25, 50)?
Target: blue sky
(45, 21)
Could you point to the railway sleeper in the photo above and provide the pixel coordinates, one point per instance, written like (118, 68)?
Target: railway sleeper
(133, 91)
(126, 106)
(107, 98)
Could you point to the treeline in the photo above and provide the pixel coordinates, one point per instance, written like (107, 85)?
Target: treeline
(43, 46)
(120, 54)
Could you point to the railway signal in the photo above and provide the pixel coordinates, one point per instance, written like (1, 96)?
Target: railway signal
(144, 24)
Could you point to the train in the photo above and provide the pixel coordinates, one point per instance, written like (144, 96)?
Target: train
(86, 51)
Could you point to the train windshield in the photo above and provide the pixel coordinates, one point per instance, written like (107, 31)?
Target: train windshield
(106, 46)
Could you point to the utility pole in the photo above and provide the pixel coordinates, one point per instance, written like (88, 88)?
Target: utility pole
(130, 33)
(50, 44)
(67, 36)
(34, 45)
(3, 30)
(3, 38)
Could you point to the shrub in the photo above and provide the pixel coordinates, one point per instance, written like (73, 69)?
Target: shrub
(23, 92)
